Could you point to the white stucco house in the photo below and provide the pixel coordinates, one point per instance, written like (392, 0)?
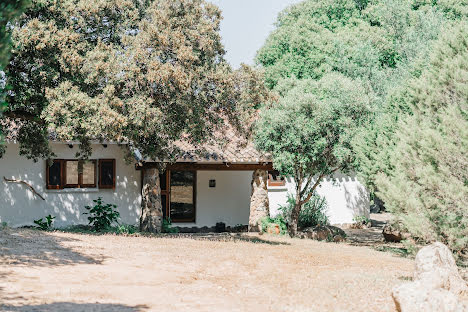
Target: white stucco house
(196, 191)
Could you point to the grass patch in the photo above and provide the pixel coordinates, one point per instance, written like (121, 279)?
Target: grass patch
(399, 251)
(122, 229)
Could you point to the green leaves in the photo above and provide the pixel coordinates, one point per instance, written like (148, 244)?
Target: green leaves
(312, 125)
(144, 73)
(425, 186)
(101, 215)
(44, 224)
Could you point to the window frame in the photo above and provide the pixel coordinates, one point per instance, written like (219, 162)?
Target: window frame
(63, 175)
(167, 193)
(194, 196)
(272, 182)
(50, 186)
(106, 186)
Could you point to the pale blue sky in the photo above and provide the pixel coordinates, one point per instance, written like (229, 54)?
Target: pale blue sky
(246, 25)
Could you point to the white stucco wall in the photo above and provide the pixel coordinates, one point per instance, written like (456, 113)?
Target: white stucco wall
(228, 202)
(18, 205)
(346, 197)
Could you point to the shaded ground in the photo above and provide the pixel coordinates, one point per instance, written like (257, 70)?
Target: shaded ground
(72, 272)
(372, 237)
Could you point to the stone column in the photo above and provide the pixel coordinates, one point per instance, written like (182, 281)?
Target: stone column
(259, 204)
(151, 207)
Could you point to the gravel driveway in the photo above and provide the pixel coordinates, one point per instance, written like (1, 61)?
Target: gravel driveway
(64, 272)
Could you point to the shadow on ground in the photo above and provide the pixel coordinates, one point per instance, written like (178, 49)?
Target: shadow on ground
(37, 248)
(227, 237)
(73, 307)
(373, 237)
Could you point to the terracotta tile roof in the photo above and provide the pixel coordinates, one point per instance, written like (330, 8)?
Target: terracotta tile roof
(232, 148)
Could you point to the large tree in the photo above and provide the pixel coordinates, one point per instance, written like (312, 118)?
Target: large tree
(144, 73)
(426, 184)
(141, 73)
(309, 131)
(376, 45)
(381, 43)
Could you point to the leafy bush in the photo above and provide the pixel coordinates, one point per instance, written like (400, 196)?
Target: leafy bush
(167, 226)
(361, 221)
(267, 222)
(101, 215)
(44, 224)
(312, 213)
(124, 229)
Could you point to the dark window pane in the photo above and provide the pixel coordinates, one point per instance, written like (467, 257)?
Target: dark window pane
(107, 173)
(164, 202)
(182, 188)
(55, 174)
(162, 181)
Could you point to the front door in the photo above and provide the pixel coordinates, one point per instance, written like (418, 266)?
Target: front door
(178, 193)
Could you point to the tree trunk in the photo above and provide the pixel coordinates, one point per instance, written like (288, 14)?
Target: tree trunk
(151, 207)
(259, 203)
(292, 225)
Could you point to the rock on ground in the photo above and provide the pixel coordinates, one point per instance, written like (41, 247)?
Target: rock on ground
(436, 285)
(436, 266)
(324, 232)
(416, 297)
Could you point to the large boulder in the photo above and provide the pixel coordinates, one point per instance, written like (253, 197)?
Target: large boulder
(324, 232)
(436, 266)
(436, 284)
(416, 297)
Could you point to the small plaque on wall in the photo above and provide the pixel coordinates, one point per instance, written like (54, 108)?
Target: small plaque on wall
(212, 183)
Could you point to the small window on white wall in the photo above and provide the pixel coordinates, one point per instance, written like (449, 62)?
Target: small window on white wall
(275, 179)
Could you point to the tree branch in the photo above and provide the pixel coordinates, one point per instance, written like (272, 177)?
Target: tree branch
(25, 183)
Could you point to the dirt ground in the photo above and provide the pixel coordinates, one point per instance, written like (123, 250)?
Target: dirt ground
(67, 272)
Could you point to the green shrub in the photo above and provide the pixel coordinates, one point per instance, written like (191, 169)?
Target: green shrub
(167, 226)
(44, 224)
(123, 229)
(101, 215)
(267, 222)
(312, 213)
(361, 220)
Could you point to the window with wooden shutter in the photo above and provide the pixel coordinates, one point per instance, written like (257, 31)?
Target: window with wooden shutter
(107, 173)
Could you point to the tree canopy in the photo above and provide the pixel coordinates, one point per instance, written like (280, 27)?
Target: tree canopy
(309, 131)
(380, 46)
(426, 187)
(9, 10)
(144, 73)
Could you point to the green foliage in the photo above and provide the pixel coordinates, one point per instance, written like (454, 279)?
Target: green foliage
(44, 224)
(361, 220)
(125, 71)
(309, 131)
(268, 222)
(101, 215)
(9, 10)
(167, 226)
(124, 229)
(426, 186)
(312, 213)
